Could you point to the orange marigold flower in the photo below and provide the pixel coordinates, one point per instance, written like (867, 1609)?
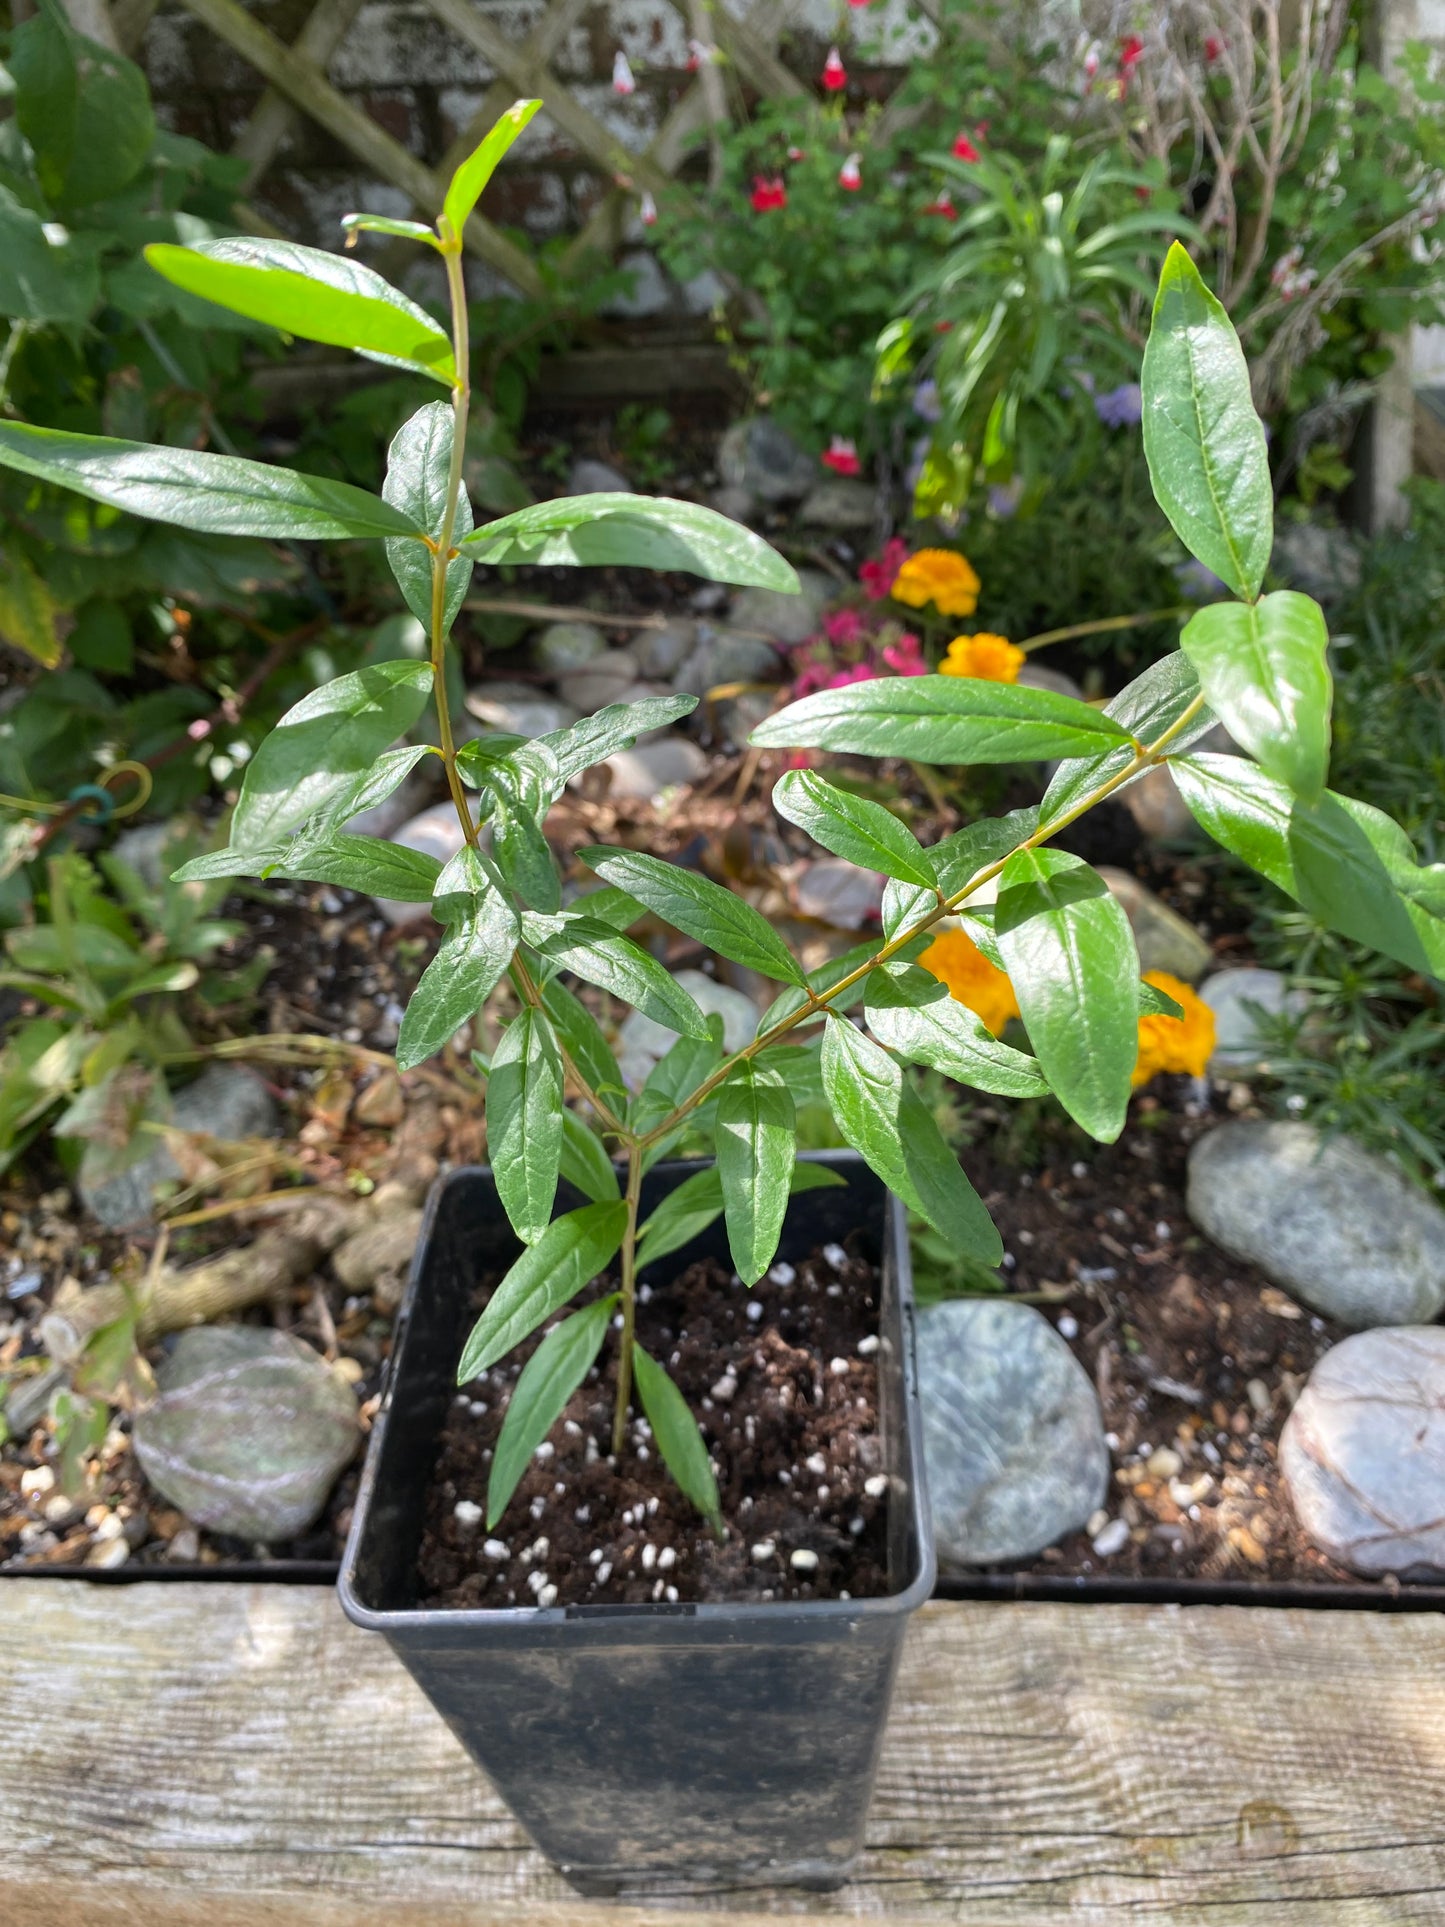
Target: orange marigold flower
(957, 961)
(940, 576)
(1175, 1043)
(991, 658)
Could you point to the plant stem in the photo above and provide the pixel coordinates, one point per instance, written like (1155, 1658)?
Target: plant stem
(1104, 625)
(442, 554)
(629, 1294)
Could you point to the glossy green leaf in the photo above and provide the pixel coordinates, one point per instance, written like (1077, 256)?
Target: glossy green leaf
(1154, 1002)
(615, 908)
(581, 1038)
(213, 494)
(690, 1207)
(418, 470)
(84, 109)
(1203, 441)
(1148, 708)
(323, 744)
(675, 1432)
(851, 827)
(911, 1012)
(1263, 668)
(633, 531)
(481, 937)
(699, 908)
(367, 864)
(385, 776)
(522, 855)
(568, 1255)
(602, 956)
(539, 1398)
(834, 972)
(940, 719)
(957, 860)
(565, 753)
(47, 274)
(385, 224)
(28, 611)
(467, 184)
(754, 1131)
(584, 1161)
(524, 1122)
(676, 1075)
(1069, 951)
(888, 1125)
(303, 291)
(1351, 866)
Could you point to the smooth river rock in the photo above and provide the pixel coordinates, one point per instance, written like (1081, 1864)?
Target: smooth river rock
(1165, 941)
(1330, 1221)
(1240, 999)
(227, 1101)
(1363, 1453)
(1011, 1431)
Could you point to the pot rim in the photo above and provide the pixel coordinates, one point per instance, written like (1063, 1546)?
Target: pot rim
(762, 1613)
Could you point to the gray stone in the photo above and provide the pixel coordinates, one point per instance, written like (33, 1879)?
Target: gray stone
(1323, 562)
(840, 894)
(788, 619)
(248, 1433)
(600, 682)
(405, 802)
(528, 713)
(1165, 941)
(226, 1101)
(1363, 1453)
(597, 478)
(1012, 1434)
(662, 652)
(735, 503)
(1239, 1045)
(845, 506)
(736, 717)
(641, 1041)
(761, 457)
(564, 646)
(1038, 675)
(1325, 1218)
(435, 832)
(657, 763)
(722, 657)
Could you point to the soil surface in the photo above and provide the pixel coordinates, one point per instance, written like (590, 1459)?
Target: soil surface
(784, 1381)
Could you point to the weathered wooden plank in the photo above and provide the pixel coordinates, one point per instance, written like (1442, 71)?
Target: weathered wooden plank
(273, 117)
(1044, 1763)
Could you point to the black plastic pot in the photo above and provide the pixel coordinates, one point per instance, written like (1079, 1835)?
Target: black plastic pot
(650, 1747)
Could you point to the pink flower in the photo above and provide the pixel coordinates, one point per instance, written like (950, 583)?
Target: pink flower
(768, 194)
(878, 577)
(647, 208)
(700, 54)
(800, 759)
(964, 149)
(835, 74)
(1131, 52)
(1214, 47)
(622, 81)
(812, 676)
(942, 206)
(850, 174)
(844, 627)
(797, 154)
(857, 3)
(905, 657)
(841, 678)
(842, 457)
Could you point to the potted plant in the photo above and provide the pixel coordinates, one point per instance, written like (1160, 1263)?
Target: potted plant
(716, 1714)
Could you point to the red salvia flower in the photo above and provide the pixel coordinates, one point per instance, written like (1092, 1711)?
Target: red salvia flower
(835, 74)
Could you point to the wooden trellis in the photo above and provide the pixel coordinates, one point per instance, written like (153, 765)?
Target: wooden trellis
(297, 86)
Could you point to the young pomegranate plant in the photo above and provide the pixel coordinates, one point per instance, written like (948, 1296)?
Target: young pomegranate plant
(1258, 663)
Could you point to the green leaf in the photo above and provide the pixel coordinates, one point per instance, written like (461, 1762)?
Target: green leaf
(367, 864)
(384, 224)
(684, 1214)
(754, 1160)
(322, 745)
(633, 531)
(676, 1434)
(418, 470)
(565, 753)
(581, 1037)
(912, 1013)
(524, 1122)
(584, 1161)
(602, 956)
(47, 274)
(1147, 708)
(1263, 668)
(886, 1122)
(833, 972)
(940, 719)
(213, 494)
(1350, 866)
(568, 1255)
(522, 855)
(539, 1398)
(1069, 951)
(84, 109)
(481, 936)
(957, 860)
(307, 292)
(1204, 443)
(676, 1075)
(467, 184)
(699, 908)
(27, 611)
(1154, 1002)
(851, 827)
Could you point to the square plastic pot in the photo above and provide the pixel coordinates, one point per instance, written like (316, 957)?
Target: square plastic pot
(645, 1748)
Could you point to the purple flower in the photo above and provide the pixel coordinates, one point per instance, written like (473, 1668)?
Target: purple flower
(1004, 499)
(1121, 407)
(926, 403)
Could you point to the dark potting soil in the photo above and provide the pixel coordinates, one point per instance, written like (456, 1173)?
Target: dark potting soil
(784, 1382)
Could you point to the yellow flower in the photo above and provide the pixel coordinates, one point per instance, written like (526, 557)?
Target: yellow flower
(957, 961)
(992, 658)
(940, 576)
(1175, 1043)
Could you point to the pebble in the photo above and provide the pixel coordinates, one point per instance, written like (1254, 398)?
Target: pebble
(37, 1481)
(496, 1549)
(1097, 1521)
(547, 1596)
(836, 1256)
(1240, 999)
(867, 1346)
(763, 1551)
(604, 1572)
(755, 1312)
(112, 1526)
(781, 1274)
(817, 1464)
(185, 1548)
(1068, 1326)
(667, 1559)
(1259, 1396)
(649, 1557)
(545, 1451)
(1163, 1463)
(57, 1508)
(727, 1386)
(838, 1367)
(803, 1561)
(1111, 1538)
(876, 1486)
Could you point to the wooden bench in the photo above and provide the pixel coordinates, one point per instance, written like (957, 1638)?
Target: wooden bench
(240, 1756)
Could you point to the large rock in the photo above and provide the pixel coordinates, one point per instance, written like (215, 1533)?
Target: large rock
(840, 894)
(655, 765)
(519, 710)
(843, 506)
(1363, 1453)
(563, 647)
(588, 477)
(226, 1101)
(600, 681)
(640, 1041)
(1241, 1000)
(721, 657)
(760, 457)
(1165, 941)
(662, 652)
(249, 1432)
(1011, 1431)
(1325, 1218)
(781, 616)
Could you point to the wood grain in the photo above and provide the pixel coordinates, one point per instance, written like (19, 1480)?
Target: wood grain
(242, 1757)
